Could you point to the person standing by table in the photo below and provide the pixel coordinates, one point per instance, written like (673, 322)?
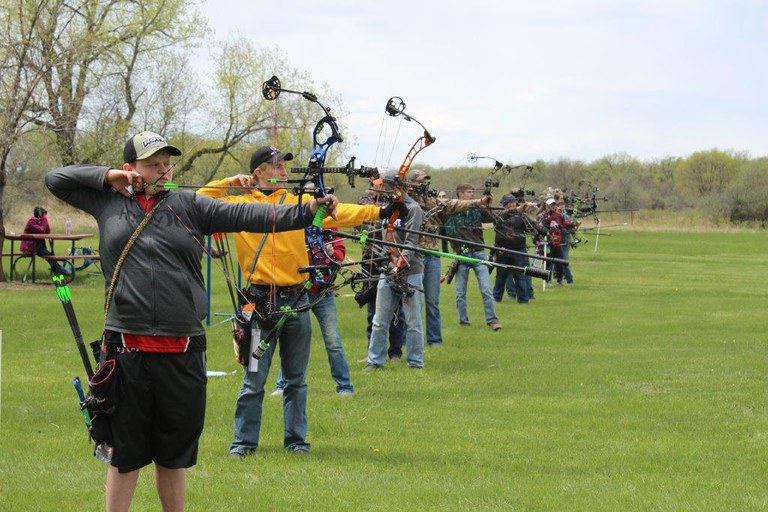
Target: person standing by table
(38, 225)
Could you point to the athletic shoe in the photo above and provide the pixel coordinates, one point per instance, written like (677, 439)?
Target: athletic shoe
(370, 367)
(277, 392)
(345, 393)
(240, 455)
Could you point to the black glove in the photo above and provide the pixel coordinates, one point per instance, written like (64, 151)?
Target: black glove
(386, 211)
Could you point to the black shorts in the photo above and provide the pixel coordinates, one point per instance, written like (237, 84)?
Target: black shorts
(161, 412)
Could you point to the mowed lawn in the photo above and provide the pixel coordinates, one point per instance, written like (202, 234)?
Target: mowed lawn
(644, 386)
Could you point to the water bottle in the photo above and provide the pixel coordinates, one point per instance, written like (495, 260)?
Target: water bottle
(68, 227)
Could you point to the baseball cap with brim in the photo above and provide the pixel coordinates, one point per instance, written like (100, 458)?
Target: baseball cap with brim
(268, 154)
(146, 144)
(419, 175)
(551, 201)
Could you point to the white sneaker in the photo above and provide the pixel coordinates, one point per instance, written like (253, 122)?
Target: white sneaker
(277, 392)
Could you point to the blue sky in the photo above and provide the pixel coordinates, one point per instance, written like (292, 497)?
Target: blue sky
(521, 81)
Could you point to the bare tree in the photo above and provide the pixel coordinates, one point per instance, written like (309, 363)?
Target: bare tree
(565, 174)
(238, 117)
(19, 81)
(84, 45)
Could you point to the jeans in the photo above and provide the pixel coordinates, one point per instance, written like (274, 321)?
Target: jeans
(396, 330)
(294, 345)
(483, 280)
(505, 280)
(325, 312)
(42, 250)
(431, 285)
(505, 275)
(529, 284)
(387, 301)
(566, 247)
(558, 269)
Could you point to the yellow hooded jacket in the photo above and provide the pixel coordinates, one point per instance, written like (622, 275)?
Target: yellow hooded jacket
(283, 253)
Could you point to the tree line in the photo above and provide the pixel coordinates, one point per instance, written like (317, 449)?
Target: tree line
(728, 186)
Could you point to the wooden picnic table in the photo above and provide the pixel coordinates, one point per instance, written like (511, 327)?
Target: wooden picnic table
(51, 238)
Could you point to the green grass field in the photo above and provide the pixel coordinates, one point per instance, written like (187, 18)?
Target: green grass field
(644, 386)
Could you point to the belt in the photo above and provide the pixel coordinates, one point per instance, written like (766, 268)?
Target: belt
(281, 291)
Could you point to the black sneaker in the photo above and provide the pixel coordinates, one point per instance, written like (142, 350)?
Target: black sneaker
(298, 448)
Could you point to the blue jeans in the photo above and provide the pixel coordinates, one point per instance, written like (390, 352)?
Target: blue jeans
(519, 280)
(325, 312)
(483, 280)
(431, 285)
(387, 301)
(396, 330)
(294, 344)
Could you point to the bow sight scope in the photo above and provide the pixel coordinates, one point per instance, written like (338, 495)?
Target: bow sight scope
(522, 193)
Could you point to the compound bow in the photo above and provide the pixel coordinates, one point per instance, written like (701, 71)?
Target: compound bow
(396, 107)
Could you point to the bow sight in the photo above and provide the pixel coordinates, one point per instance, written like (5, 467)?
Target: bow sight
(349, 170)
(522, 193)
(422, 189)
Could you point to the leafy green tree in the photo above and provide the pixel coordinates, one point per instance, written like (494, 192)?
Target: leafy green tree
(746, 198)
(705, 173)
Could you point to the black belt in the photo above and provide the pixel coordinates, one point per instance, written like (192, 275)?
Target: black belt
(281, 291)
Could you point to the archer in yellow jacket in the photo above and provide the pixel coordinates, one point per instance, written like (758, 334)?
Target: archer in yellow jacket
(273, 271)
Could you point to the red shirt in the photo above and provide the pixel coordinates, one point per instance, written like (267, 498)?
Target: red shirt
(336, 249)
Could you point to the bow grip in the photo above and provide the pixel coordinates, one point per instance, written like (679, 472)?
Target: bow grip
(317, 220)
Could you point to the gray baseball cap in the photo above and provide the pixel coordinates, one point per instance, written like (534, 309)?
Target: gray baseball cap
(146, 144)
